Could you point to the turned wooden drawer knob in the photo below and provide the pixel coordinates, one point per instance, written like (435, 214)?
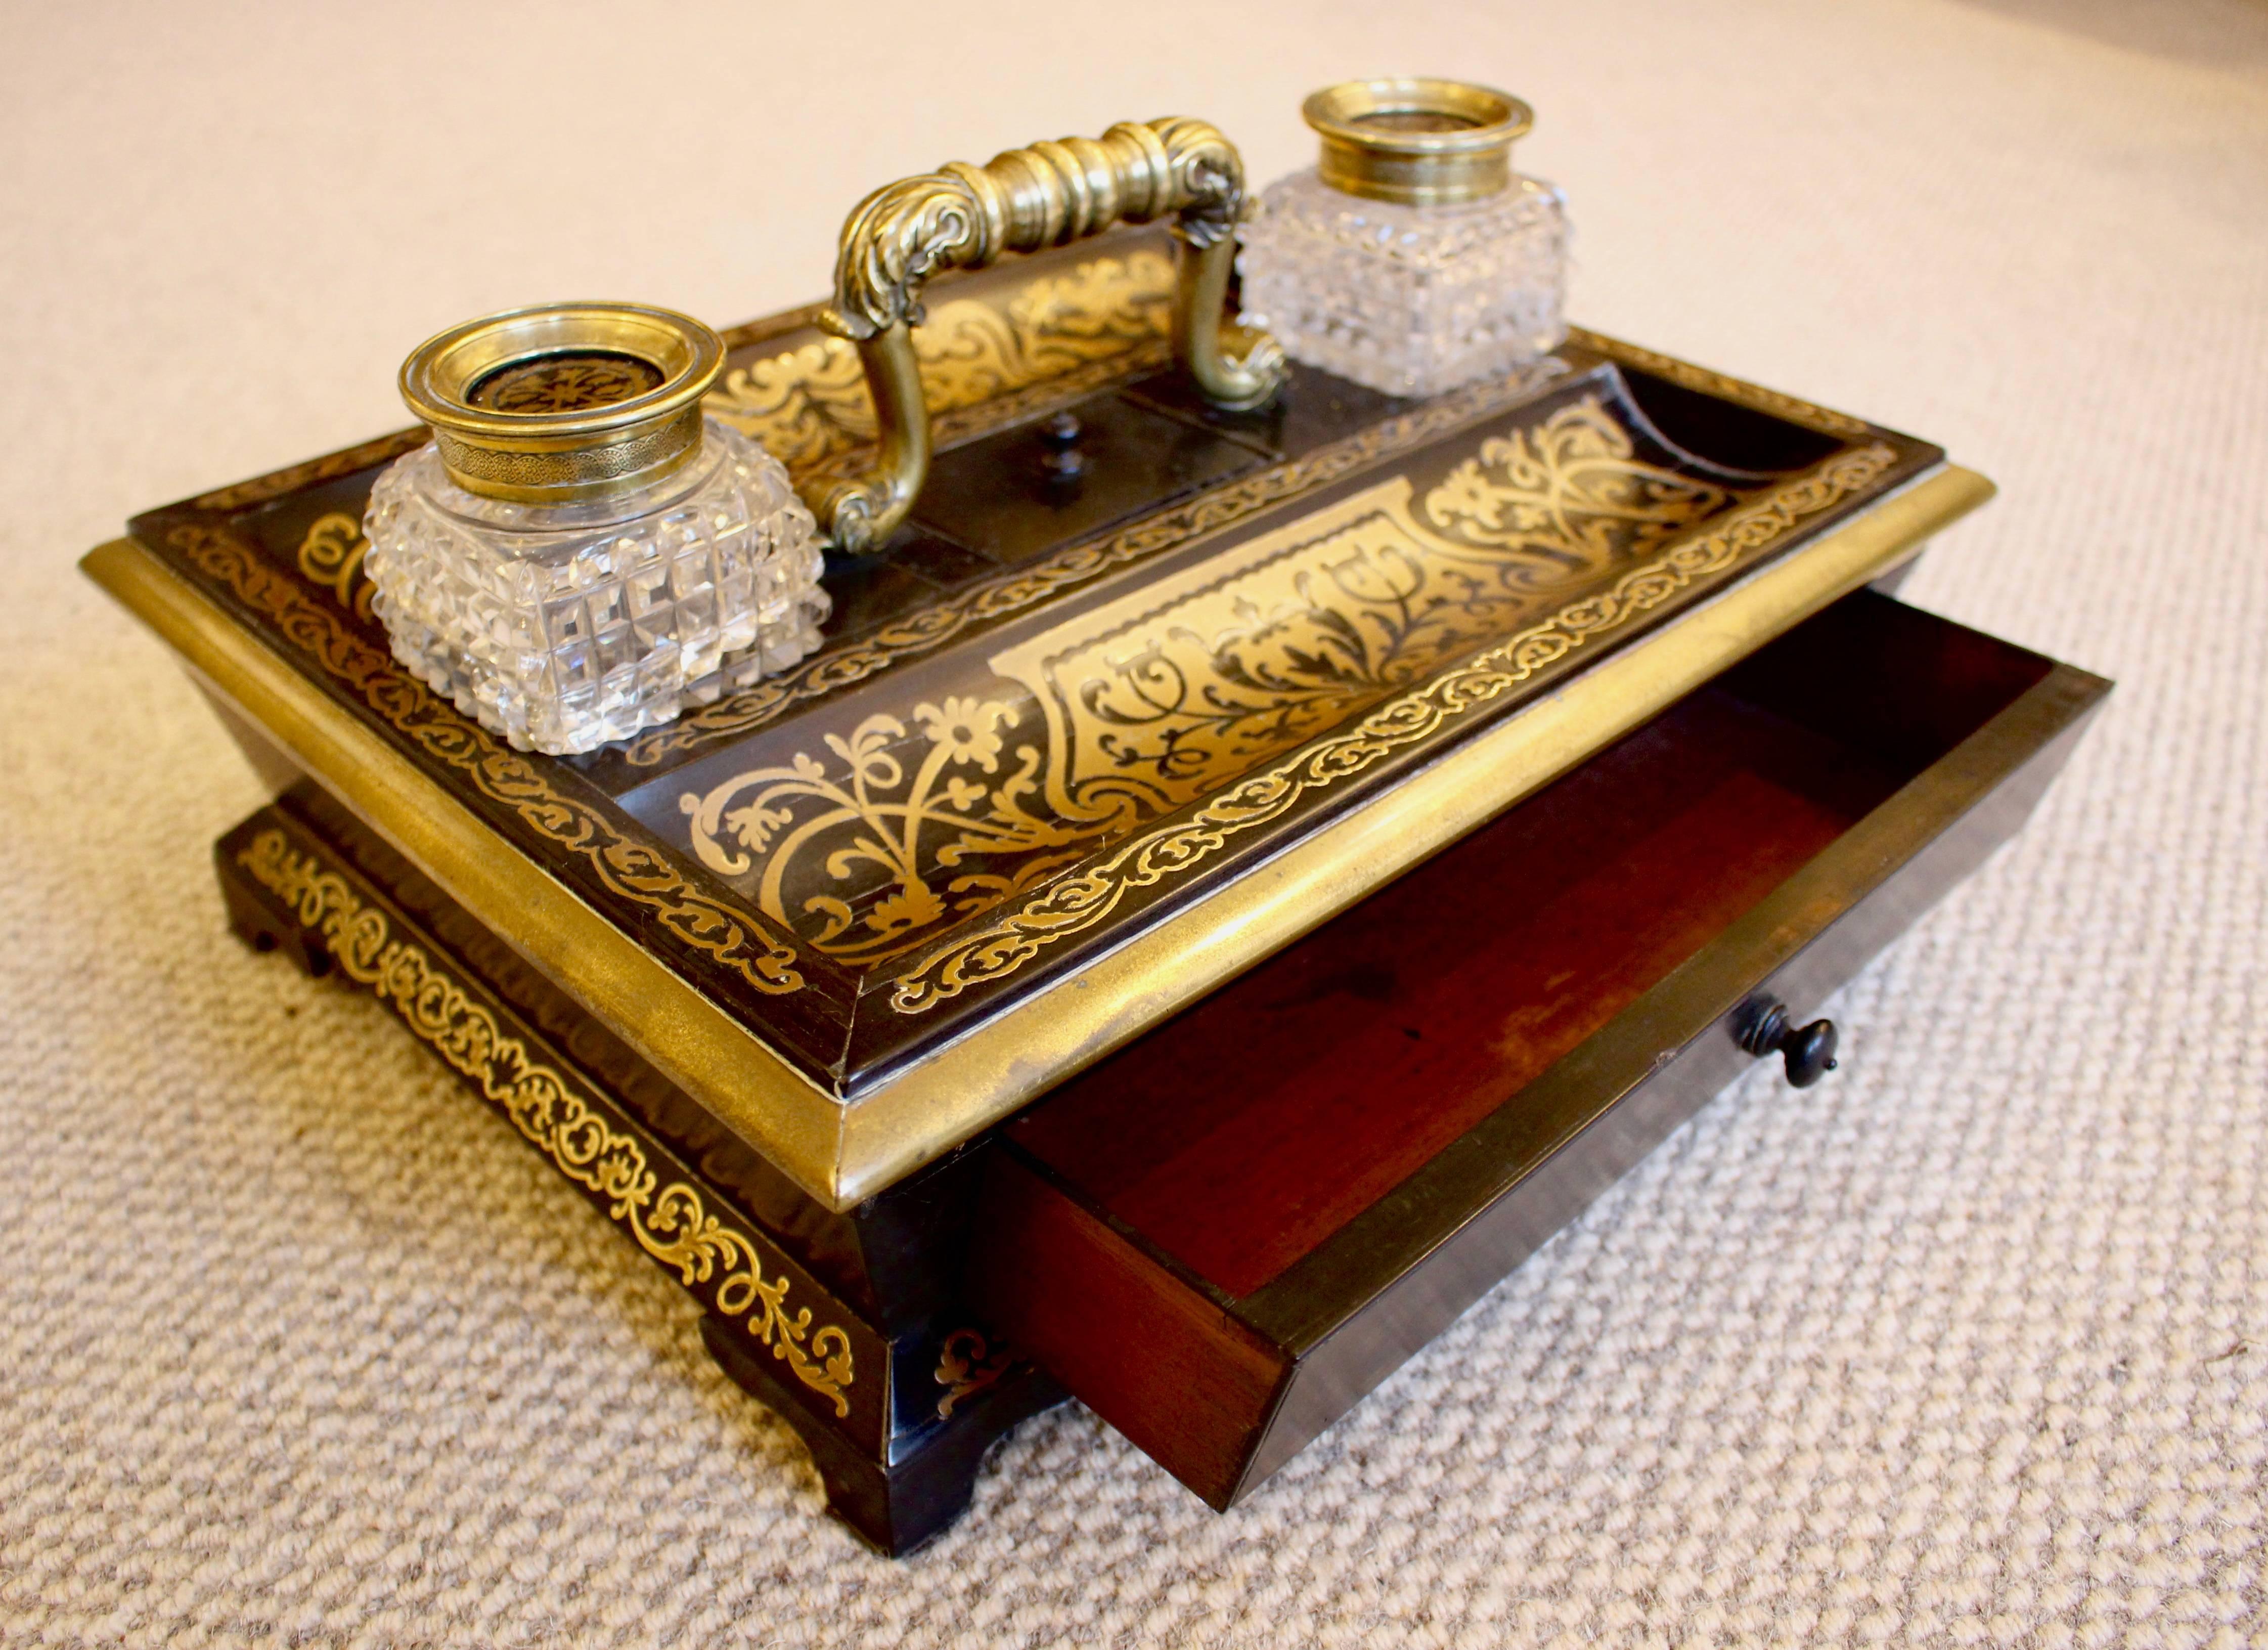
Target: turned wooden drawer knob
(1809, 1051)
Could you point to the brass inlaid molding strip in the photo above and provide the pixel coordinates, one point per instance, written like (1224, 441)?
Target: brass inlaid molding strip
(260, 489)
(625, 866)
(587, 1140)
(684, 1034)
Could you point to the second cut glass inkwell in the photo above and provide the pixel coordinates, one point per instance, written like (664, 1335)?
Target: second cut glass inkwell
(1412, 258)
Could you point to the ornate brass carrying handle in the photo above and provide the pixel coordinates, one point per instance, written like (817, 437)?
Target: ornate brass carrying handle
(965, 217)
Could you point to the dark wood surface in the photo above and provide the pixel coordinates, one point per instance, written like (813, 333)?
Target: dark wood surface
(1339, 1151)
(611, 826)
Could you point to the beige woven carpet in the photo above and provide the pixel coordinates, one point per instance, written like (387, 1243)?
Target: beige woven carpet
(299, 1345)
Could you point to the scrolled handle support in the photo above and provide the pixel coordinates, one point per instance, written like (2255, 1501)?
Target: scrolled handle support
(965, 217)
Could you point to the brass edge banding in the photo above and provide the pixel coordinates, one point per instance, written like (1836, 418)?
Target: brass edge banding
(719, 1062)
(1123, 993)
(842, 1155)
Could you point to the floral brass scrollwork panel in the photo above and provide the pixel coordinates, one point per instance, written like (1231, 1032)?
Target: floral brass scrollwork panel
(1005, 941)
(836, 668)
(809, 406)
(673, 1223)
(891, 833)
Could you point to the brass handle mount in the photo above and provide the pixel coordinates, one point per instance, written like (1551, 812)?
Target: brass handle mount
(964, 216)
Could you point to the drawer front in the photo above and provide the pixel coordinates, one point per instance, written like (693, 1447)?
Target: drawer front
(1223, 1236)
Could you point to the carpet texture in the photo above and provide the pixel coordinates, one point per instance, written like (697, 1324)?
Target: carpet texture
(299, 1345)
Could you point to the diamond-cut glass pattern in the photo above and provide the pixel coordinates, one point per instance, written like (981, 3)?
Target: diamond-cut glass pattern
(1412, 300)
(564, 627)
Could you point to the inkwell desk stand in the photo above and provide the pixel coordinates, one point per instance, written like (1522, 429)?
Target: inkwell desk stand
(1249, 857)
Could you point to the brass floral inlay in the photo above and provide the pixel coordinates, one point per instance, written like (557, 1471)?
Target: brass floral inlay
(1183, 687)
(884, 809)
(837, 668)
(673, 1223)
(1077, 901)
(967, 1364)
(809, 406)
(331, 554)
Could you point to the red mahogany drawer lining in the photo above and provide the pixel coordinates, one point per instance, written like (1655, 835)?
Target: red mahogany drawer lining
(1236, 1196)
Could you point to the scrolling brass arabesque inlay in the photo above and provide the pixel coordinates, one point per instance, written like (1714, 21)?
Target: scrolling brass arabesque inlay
(1078, 901)
(967, 1364)
(810, 407)
(836, 668)
(724, 933)
(1149, 703)
(331, 553)
(672, 1223)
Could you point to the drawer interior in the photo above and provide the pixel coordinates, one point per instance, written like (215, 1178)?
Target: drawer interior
(1141, 1218)
(1262, 1121)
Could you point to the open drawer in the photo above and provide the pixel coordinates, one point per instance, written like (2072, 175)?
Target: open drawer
(1224, 1235)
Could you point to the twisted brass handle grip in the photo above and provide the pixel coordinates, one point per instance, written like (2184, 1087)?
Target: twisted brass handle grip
(965, 217)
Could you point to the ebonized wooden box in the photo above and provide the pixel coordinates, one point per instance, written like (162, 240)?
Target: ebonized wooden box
(1195, 924)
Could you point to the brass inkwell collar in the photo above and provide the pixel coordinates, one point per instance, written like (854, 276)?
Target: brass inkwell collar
(564, 404)
(1417, 141)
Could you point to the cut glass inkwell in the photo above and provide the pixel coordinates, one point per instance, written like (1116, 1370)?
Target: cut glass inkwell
(581, 553)
(1412, 259)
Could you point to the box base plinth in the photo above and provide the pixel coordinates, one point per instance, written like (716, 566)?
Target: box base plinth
(895, 1393)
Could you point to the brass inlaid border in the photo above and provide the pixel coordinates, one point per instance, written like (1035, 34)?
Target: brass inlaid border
(1075, 901)
(734, 938)
(587, 1140)
(262, 489)
(1755, 397)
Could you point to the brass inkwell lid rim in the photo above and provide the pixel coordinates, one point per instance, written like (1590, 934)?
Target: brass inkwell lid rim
(1418, 140)
(564, 404)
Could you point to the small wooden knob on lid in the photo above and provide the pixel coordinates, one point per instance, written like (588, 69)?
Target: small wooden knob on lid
(564, 404)
(1418, 142)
